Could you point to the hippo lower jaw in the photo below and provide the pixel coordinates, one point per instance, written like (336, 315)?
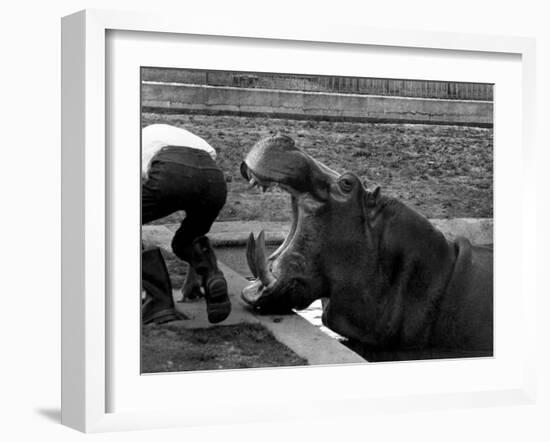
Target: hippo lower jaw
(252, 292)
(266, 292)
(282, 282)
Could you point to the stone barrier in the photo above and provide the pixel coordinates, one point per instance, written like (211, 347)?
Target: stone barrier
(188, 98)
(235, 233)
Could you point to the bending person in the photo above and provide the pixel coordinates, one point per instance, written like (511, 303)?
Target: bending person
(179, 172)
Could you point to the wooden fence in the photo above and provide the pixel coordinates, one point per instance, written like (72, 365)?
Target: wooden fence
(331, 84)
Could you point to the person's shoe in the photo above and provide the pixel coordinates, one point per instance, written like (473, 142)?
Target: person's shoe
(151, 314)
(158, 305)
(218, 305)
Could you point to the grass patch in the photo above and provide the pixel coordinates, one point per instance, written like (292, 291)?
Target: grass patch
(169, 348)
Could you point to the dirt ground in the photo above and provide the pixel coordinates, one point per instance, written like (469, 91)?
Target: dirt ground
(441, 171)
(167, 348)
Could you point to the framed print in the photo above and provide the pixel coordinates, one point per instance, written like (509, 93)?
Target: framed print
(369, 164)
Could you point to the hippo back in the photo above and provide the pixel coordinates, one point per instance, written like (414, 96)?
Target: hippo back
(466, 310)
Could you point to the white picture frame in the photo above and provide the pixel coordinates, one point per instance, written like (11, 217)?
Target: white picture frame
(85, 236)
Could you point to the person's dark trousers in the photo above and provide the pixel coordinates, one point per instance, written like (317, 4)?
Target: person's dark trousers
(194, 184)
(158, 306)
(189, 180)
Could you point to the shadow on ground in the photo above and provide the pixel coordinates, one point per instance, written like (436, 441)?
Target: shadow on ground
(51, 414)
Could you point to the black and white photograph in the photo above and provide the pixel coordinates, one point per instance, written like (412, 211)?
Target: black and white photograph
(295, 220)
(287, 221)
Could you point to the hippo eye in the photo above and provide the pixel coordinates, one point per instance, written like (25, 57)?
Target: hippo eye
(345, 184)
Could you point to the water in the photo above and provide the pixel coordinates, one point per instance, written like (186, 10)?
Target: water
(313, 315)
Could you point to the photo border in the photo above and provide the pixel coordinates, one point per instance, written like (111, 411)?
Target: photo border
(85, 201)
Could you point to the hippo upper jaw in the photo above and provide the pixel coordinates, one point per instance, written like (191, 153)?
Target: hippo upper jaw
(277, 161)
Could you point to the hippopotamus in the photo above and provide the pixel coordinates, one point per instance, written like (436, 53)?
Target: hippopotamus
(390, 282)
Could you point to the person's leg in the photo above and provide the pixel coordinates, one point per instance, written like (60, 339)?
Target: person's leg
(191, 245)
(202, 207)
(158, 304)
(218, 305)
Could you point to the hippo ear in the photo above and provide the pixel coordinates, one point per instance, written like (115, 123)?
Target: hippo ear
(372, 198)
(370, 202)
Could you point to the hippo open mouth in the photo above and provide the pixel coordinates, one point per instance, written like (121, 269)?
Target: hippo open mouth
(291, 277)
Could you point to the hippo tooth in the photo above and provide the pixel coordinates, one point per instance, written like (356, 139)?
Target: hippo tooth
(251, 255)
(265, 276)
(252, 182)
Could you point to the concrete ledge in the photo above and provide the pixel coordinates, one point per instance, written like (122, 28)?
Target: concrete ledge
(235, 233)
(478, 230)
(192, 98)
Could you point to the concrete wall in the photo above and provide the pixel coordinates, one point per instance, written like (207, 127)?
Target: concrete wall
(292, 104)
